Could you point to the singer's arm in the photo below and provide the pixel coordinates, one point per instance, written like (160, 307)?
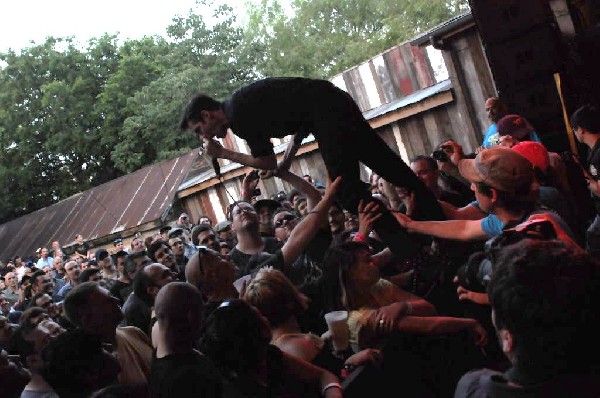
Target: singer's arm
(290, 152)
(216, 150)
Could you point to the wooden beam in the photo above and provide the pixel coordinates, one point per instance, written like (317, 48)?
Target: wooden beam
(411, 110)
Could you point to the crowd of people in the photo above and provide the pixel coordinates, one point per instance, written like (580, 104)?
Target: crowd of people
(496, 297)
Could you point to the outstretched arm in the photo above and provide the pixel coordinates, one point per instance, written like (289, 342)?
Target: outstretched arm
(428, 325)
(311, 193)
(468, 212)
(453, 229)
(309, 225)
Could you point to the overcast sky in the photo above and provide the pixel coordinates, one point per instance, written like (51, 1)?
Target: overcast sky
(22, 21)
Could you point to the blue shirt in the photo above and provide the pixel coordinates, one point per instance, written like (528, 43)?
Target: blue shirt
(492, 225)
(491, 137)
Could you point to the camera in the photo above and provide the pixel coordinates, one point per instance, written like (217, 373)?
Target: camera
(476, 274)
(440, 155)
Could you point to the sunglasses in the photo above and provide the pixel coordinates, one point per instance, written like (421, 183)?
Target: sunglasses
(283, 220)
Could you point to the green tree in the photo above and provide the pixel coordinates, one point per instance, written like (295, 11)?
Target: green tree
(324, 37)
(47, 96)
(202, 58)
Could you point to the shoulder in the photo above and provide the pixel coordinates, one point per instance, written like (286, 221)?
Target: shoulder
(177, 375)
(475, 384)
(272, 244)
(491, 225)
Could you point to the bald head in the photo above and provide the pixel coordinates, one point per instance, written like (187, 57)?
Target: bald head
(179, 309)
(11, 280)
(177, 299)
(495, 109)
(193, 271)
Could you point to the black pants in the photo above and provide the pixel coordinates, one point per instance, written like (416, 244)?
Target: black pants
(345, 138)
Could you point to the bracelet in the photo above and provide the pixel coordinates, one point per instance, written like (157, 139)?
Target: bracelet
(331, 385)
(244, 193)
(358, 236)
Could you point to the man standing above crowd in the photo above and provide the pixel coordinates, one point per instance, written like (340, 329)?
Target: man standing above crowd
(302, 106)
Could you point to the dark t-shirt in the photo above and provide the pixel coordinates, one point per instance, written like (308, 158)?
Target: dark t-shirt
(118, 290)
(486, 383)
(137, 313)
(82, 249)
(274, 107)
(241, 260)
(185, 375)
(594, 170)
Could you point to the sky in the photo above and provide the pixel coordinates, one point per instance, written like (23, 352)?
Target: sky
(22, 21)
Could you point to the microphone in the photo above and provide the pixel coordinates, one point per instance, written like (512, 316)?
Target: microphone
(211, 160)
(217, 167)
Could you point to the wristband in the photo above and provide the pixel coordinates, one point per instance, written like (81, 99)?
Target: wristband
(331, 385)
(244, 193)
(358, 236)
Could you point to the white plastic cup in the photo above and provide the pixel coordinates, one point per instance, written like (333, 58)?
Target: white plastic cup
(337, 322)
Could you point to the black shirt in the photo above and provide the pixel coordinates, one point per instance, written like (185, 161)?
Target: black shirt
(594, 170)
(274, 107)
(118, 290)
(241, 260)
(185, 375)
(82, 249)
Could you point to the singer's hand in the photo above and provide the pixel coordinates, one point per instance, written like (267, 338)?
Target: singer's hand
(213, 148)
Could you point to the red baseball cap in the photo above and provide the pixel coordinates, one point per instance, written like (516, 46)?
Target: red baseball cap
(535, 152)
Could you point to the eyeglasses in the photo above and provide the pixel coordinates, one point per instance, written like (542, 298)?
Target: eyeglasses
(283, 220)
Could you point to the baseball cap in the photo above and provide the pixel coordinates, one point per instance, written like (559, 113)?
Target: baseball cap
(118, 240)
(165, 228)
(222, 225)
(535, 152)
(174, 231)
(514, 125)
(270, 203)
(500, 168)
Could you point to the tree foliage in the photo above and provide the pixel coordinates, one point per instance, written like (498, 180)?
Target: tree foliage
(321, 38)
(72, 118)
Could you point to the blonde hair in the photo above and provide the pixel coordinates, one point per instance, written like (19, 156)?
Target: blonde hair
(275, 296)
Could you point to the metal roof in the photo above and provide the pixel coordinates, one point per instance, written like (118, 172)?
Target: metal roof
(443, 28)
(410, 99)
(141, 197)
